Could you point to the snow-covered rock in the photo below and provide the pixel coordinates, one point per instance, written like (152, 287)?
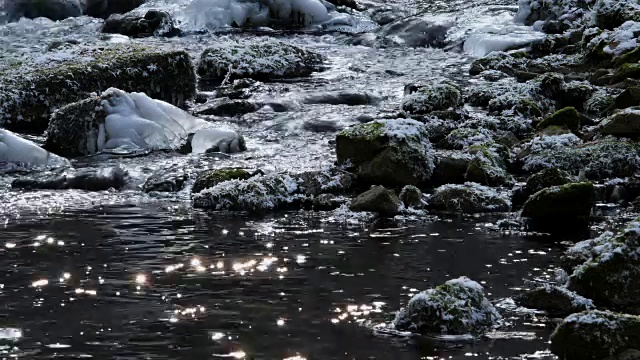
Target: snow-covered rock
(554, 300)
(468, 198)
(457, 307)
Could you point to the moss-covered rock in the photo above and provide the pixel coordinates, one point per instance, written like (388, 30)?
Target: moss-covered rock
(556, 301)
(583, 251)
(169, 179)
(599, 102)
(436, 97)
(628, 98)
(562, 206)
(451, 167)
(609, 275)
(595, 335)
(153, 23)
(487, 168)
(569, 117)
(210, 178)
(379, 200)
(625, 123)
(467, 198)
(411, 196)
(499, 61)
(29, 93)
(462, 138)
(459, 306)
(507, 96)
(546, 178)
(387, 152)
(609, 15)
(626, 71)
(264, 59)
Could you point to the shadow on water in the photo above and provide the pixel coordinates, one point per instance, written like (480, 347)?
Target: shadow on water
(134, 283)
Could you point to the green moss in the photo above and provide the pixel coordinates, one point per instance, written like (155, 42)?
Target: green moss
(528, 108)
(626, 71)
(631, 57)
(554, 130)
(569, 117)
(211, 178)
(565, 204)
(546, 178)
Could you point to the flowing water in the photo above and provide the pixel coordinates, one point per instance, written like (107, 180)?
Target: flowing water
(129, 275)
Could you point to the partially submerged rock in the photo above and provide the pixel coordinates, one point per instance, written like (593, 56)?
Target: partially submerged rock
(546, 178)
(379, 200)
(468, 198)
(387, 152)
(171, 179)
(210, 178)
(457, 307)
(153, 23)
(264, 59)
(451, 167)
(19, 151)
(625, 123)
(595, 335)
(611, 269)
(561, 206)
(29, 93)
(83, 179)
(555, 300)
(568, 117)
(411, 197)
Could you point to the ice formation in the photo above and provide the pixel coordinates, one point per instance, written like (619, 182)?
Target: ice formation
(496, 38)
(213, 14)
(136, 121)
(14, 149)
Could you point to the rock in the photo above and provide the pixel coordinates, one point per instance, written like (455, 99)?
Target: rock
(595, 335)
(427, 99)
(467, 198)
(153, 23)
(347, 3)
(626, 71)
(628, 98)
(575, 94)
(546, 178)
(599, 102)
(82, 179)
(463, 138)
(457, 307)
(583, 251)
(552, 85)
(500, 61)
(259, 60)
(378, 200)
(487, 168)
(569, 117)
(560, 206)
(104, 8)
(343, 98)
(451, 167)
(29, 96)
(411, 197)
(556, 301)
(256, 194)
(608, 15)
(508, 96)
(609, 274)
(631, 354)
(599, 160)
(329, 181)
(227, 107)
(625, 123)
(328, 202)
(53, 9)
(493, 75)
(170, 179)
(210, 178)
(387, 152)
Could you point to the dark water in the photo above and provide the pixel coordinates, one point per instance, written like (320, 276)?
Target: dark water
(262, 288)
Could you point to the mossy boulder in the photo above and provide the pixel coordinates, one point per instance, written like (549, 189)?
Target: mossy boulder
(467, 198)
(29, 92)
(411, 197)
(609, 275)
(379, 200)
(583, 251)
(628, 98)
(556, 301)
(569, 117)
(625, 123)
(546, 178)
(487, 168)
(451, 167)
(563, 205)
(626, 71)
(211, 178)
(436, 97)
(595, 335)
(387, 152)
(153, 23)
(52, 9)
(630, 57)
(457, 307)
(600, 102)
(264, 59)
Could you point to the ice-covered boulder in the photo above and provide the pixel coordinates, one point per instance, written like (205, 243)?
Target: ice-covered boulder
(457, 307)
(31, 91)
(611, 269)
(130, 122)
(387, 152)
(555, 300)
(17, 150)
(264, 59)
(429, 98)
(595, 335)
(467, 198)
(411, 196)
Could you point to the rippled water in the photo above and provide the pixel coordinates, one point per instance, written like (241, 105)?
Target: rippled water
(162, 282)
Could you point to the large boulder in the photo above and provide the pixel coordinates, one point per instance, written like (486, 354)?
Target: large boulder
(264, 59)
(556, 301)
(611, 269)
(153, 23)
(451, 167)
(30, 92)
(561, 205)
(546, 178)
(211, 178)
(387, 152)
(378, 199)
(595, 335)
(568, 117)
(429, 98)
(625, 123)
(487, 168)
(457, 307)
(52, 9)
(467, 198)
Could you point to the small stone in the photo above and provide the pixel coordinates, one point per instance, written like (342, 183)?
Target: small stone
(378, 200)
